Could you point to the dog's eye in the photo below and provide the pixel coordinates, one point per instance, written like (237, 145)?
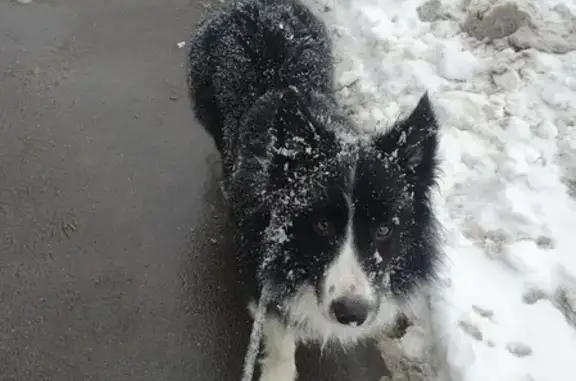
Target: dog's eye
(322, 227)
(382, 233)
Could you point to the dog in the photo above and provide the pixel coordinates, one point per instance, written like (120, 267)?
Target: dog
(334, 221)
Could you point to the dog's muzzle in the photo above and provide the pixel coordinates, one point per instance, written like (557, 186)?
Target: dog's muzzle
(350, 311)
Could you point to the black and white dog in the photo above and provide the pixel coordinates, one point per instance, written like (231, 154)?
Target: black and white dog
(335, 222)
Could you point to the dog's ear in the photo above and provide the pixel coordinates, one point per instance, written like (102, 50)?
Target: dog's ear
(412, 142)
(297, 130)
(280, 125)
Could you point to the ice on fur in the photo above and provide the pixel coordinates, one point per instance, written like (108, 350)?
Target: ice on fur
(335, 219)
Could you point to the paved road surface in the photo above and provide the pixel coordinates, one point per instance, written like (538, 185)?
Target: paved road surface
(111, 238)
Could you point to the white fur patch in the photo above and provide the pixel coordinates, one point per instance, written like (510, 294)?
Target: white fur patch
(345, 277)
(312, 324)
(278, 362)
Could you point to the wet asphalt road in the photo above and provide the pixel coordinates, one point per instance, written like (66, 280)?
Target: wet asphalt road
(112, 239)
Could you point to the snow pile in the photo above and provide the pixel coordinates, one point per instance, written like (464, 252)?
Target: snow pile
(508, 111)
(524, 24)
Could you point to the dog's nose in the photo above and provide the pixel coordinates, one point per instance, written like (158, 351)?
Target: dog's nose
(350, 311)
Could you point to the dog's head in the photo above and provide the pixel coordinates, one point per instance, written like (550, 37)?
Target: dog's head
(350, 222)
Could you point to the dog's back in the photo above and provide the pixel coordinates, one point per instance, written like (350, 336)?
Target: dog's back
(249, 48)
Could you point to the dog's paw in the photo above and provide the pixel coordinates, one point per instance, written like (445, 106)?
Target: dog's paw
(278, 371)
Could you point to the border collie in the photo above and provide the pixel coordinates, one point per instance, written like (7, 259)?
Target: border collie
(335, 222)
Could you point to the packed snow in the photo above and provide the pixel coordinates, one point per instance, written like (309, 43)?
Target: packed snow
(502, 76)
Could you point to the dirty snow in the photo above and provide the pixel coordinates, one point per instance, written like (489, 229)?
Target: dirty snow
(502, 76)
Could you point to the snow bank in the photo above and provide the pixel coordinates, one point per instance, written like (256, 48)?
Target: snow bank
(508, 113)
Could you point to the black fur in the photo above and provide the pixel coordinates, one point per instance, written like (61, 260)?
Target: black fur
(261, 83)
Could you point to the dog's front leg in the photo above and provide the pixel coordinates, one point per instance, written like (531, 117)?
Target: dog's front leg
(278, 361)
